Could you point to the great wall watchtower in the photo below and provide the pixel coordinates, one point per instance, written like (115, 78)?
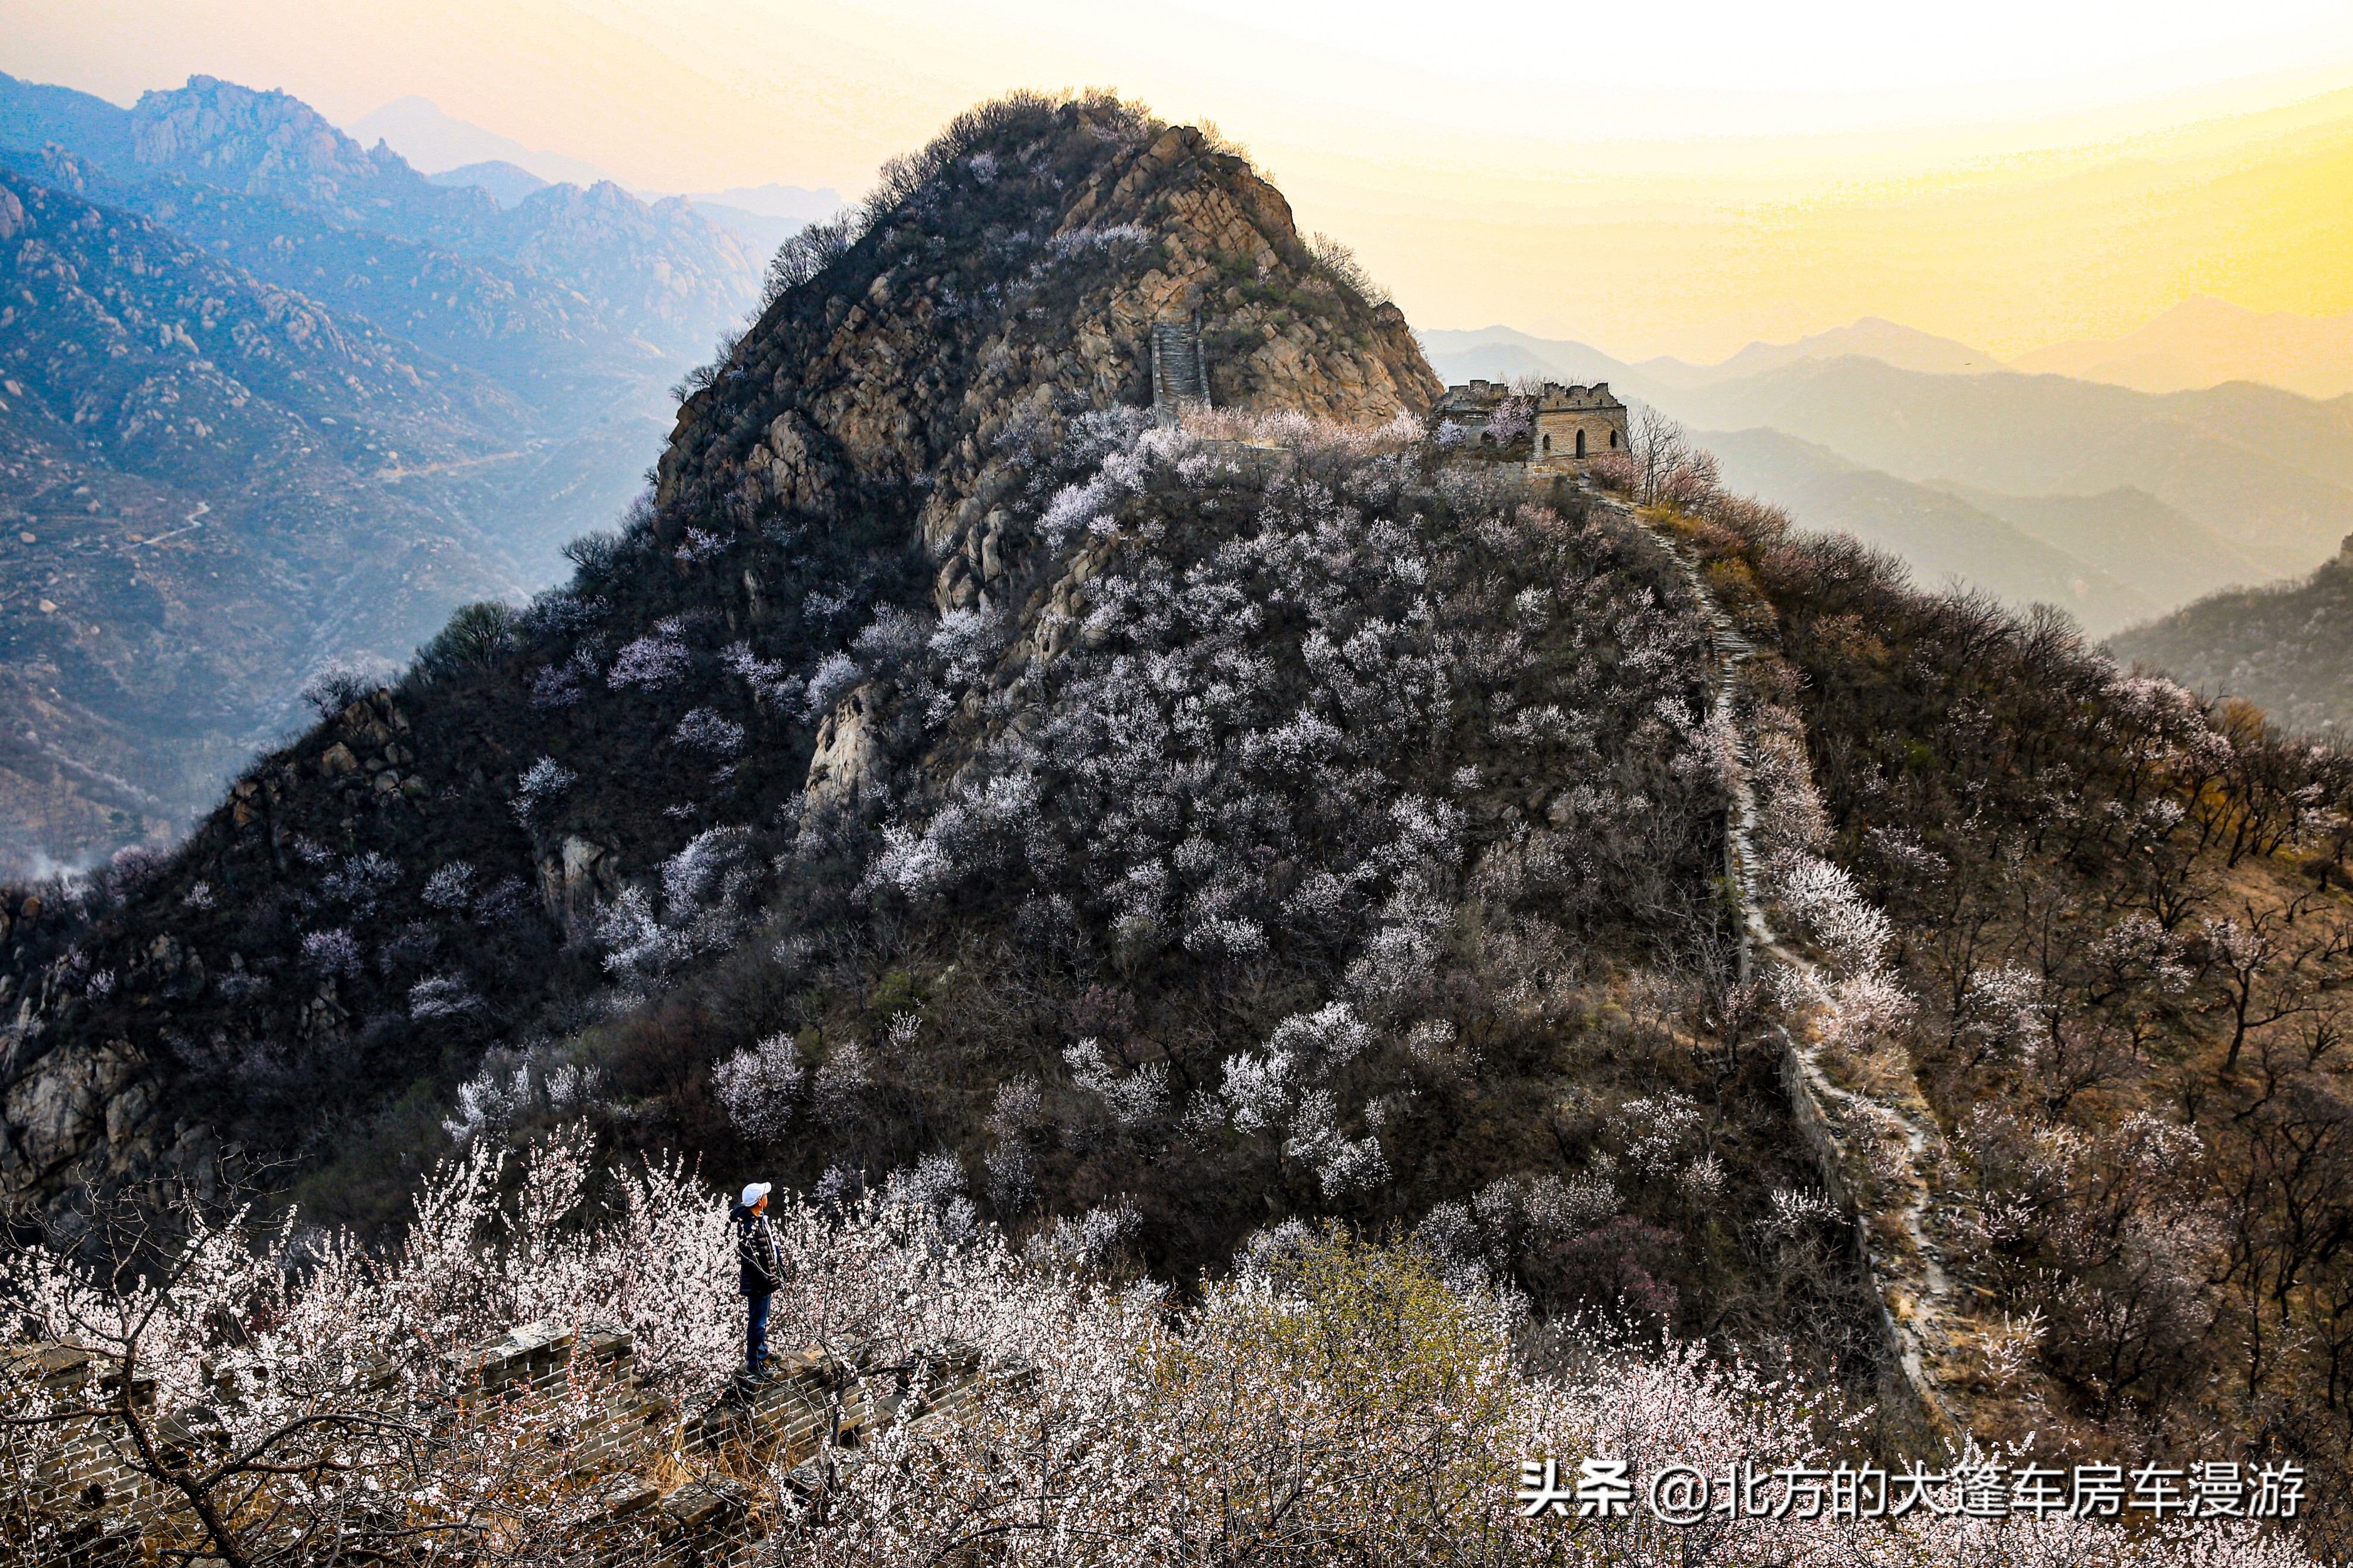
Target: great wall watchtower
(1568, 426)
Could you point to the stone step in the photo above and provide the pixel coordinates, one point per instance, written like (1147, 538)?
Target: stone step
(1179, 373)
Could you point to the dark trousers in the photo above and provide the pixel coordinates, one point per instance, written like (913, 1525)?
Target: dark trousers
(756, 1334)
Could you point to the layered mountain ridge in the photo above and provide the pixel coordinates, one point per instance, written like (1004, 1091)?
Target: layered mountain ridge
(680, 278)
(2286, 647)
(2250, 480)
(408, 399)
(155, 595)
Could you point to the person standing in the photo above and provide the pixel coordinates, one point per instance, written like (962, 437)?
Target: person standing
(761, 1267)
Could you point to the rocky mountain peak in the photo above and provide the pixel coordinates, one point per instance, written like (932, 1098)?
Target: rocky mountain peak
(272, 144)
(1012, 274)
(457, 863)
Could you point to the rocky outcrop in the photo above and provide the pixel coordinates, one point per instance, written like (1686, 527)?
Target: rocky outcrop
(847, 763)
(575, 879)
(890, 382)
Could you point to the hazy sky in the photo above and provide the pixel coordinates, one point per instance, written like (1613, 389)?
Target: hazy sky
(1678, 177)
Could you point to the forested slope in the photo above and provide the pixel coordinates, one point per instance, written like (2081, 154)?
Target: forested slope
(1153, 835)
(2287, 648)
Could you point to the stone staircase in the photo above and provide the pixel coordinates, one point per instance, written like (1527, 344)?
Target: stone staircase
(1179, 373)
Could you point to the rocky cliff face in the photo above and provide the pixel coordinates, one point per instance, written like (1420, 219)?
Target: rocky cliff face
(1031, 299)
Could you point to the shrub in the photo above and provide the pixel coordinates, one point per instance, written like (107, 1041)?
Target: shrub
(478, 636)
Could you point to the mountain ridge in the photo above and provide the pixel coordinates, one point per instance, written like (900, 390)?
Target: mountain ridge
(687, 276)
(2286, 647)
(166, 415)
(563, 404)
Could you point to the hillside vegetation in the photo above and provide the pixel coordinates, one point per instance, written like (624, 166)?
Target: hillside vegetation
(2287, 648)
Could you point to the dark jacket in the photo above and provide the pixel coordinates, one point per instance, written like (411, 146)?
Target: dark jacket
(758, 1259)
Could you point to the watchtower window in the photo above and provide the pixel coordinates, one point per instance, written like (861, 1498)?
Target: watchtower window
(1580, 443)
(1547, 445)
(1614, 439)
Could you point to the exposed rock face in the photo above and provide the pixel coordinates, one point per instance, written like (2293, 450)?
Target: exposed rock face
(268, 142)
(575, 881)
(894, 382)
(847, 765)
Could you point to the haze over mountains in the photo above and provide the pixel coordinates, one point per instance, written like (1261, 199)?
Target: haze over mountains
(454, 151)
(2202, 343)
(2114, 503)
(275, 399)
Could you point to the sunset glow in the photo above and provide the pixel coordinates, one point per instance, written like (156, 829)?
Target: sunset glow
(1679, 179)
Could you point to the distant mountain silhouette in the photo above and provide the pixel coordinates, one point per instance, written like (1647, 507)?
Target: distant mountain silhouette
(1886, 341)
(2128, 533)
(768, 215)
(1499, 353)
(209, 483)
(33, 113)
(1940, 536)
(2203, 342)
(2268, 472)
(2164, 497)
(507, 182)
(539, 338)
(417, 129)
(788, 202)
(1904, 347)
(661, 271)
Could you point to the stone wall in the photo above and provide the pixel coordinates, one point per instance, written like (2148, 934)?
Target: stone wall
(1556, 431)
(86, 1500)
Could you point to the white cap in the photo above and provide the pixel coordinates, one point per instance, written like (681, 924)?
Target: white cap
(754, 1193)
